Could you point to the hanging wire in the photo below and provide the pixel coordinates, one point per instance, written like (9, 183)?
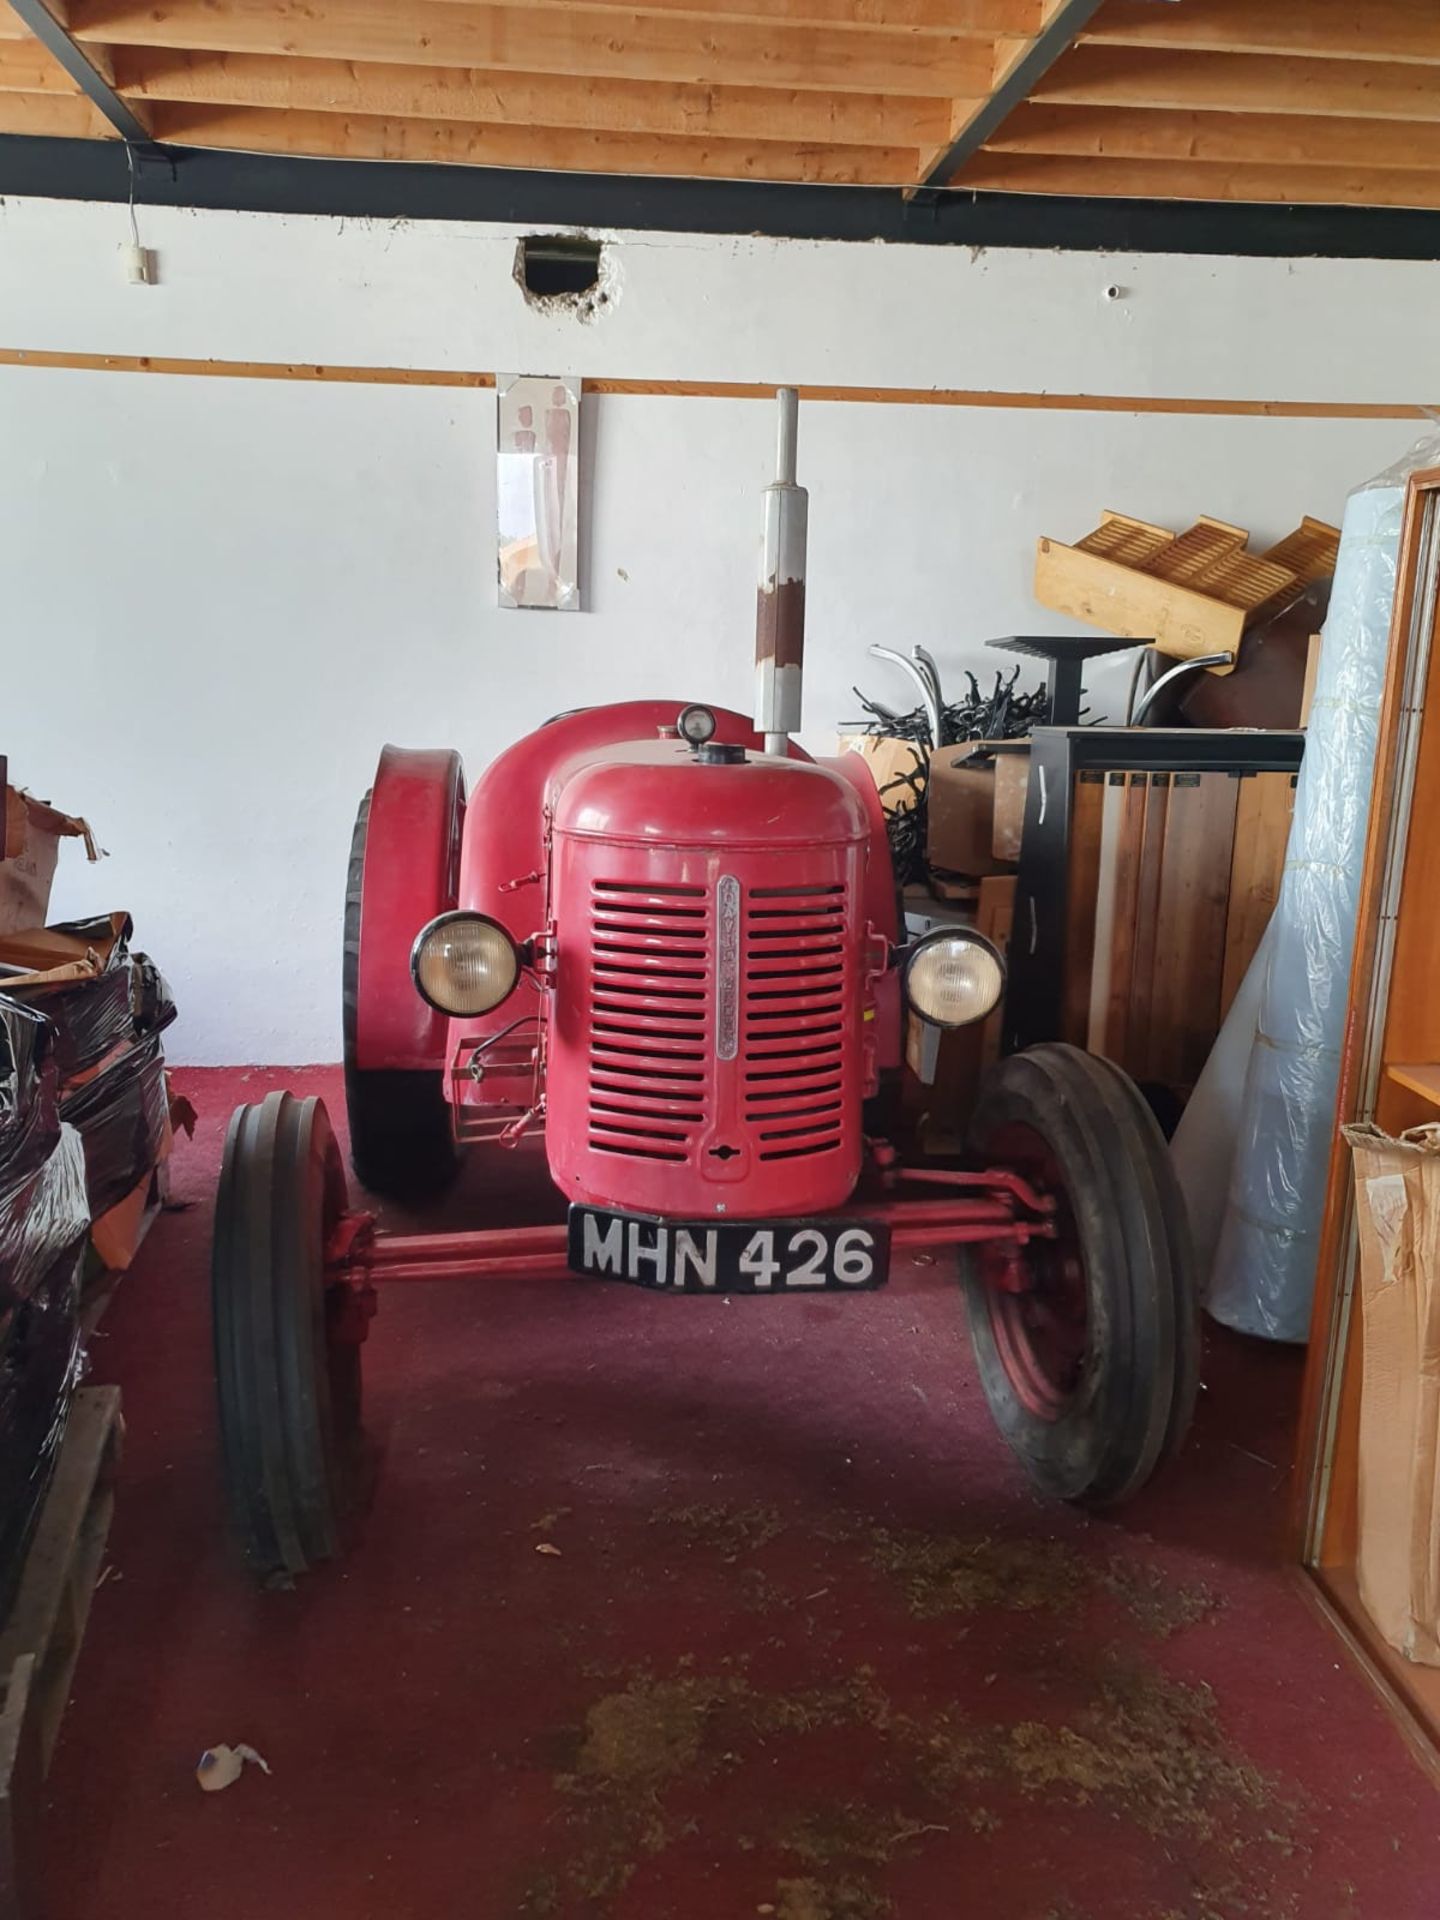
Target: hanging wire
(134, 223)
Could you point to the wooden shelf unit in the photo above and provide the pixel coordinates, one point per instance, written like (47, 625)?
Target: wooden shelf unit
(1393, 1021)
(1422, 1080)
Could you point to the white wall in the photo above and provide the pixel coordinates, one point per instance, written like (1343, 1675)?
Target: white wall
(221, 596)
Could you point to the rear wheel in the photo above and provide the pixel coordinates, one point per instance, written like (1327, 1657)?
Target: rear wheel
(1087, 1344)
(401, 1143)
(287, 1355)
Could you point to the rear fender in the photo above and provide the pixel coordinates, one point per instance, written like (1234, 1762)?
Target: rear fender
(412, 872)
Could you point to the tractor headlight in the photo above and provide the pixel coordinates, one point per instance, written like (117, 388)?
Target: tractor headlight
(464, 963)
(953, 977)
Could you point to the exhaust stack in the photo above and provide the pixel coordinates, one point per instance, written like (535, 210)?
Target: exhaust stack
(780, 609)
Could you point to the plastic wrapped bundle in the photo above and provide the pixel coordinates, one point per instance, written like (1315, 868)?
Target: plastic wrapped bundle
(1264, 1272)
(91, 1017)
(121, 1116)
(44, 1219)
(83, 977)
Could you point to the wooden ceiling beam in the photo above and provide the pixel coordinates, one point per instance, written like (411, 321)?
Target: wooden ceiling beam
(1019, 65)
(1238, 83)
(1226, 139)
(1405, 30)
(88, 67)
(1179, 180)
(25, 67)
(976, 19)
(68, 116)
(523, 99)
(560, 149)
(522, 39)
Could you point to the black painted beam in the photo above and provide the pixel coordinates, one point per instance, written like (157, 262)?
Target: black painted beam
(81, 69)
(1054, 38)
(407, 190)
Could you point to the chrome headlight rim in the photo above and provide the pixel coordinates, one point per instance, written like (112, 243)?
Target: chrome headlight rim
(435, 926)
(967, 936)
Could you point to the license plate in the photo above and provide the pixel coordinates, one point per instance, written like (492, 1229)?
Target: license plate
(740, 1256)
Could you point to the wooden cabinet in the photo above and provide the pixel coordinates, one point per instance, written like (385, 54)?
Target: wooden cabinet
(1390, 1073)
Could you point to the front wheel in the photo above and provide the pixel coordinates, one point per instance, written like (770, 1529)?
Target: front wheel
(287, 1358)
(1087, 1344)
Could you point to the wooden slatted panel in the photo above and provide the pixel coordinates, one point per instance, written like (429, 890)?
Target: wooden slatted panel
(1266, 802)
(1087, 809)
(1138, 1026)
(1189, 958)
(1122, 915)
(1111, 813)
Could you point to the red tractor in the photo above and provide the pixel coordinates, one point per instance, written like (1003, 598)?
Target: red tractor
(670, 943)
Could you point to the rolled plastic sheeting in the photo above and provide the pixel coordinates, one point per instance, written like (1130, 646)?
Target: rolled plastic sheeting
(1264, 1271)
(1204, 1140)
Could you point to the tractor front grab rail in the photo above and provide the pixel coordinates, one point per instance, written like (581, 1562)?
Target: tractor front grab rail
(361, 1253)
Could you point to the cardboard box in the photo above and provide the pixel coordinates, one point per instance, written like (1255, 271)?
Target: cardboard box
(977, 807)
(31, 845)
(977, 804)
(1397, 1212)
(888, 760)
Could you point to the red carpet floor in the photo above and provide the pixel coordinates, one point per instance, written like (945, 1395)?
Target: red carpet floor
(698, 1609)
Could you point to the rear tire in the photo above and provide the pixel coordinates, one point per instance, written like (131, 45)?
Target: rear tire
(287, 1368)
(401, 1143)
(1090, 1368)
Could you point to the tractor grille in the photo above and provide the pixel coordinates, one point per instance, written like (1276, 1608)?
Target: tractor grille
(794, 998)
(649, 1018)
(654, 1049)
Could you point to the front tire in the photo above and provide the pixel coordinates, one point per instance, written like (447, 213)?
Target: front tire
(287, 1359)
(1088, 1345)
(401, 1143)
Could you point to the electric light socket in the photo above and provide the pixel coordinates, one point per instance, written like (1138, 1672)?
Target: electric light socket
(142, 265)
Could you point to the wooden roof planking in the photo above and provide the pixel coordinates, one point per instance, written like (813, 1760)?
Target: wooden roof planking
(1323, 101)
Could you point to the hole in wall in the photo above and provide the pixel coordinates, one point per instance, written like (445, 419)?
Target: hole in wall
(565, 273)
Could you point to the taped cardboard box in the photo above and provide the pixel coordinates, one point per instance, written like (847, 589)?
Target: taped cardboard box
(1397, 1211)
